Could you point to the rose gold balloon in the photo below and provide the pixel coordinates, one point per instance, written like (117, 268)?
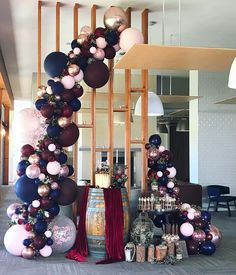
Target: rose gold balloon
(64, 121)
(199, 235)
(153, 153)
(115, 19)
(41, 90)
(64, 171)
(31, 235)
(216, 234)
(34, 159)
(86, 30)
(27, 253)
(82, 38)
(43, 190)
(73, 69)
(197, 214)
(176, 190)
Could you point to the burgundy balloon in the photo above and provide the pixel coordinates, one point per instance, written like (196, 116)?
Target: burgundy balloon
(32, 211)
(46, 154)
(46, 202)
(192, 247)
(27, 150)
(67, 111)
(209, 237)
(68, 192)
(199, 235)
(96, 74)
(78, 91)
(69, 135)
(166, 155)
(99, 32)
(199, 223)
(39, 242)
(67, 95)
(47, 141)
(47, 110)
(110, 52)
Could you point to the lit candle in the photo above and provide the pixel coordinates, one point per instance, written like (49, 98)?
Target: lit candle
(117, 156)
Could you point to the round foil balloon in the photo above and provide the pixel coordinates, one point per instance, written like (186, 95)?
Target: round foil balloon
(28, 253)
(216, 235)
(199, 235)
(64, 234)
(115, 19)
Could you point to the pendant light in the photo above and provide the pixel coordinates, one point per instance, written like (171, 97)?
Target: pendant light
(182, 125)
(232, 75)
(155, 107)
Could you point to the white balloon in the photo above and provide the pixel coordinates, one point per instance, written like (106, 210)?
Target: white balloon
(36, 203)
(170, 184)
(191, 210)
(172, 171)
(190, 216)
(13, 239)
(53, 167)
(68, 81)
(185, 206)
(161, 149)
(48, 233)
(46, 251)
(186, 229)
(52, 147)
(159, 174)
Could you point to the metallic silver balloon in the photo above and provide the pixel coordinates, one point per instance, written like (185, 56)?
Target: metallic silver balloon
(115, 19)
(28, 253)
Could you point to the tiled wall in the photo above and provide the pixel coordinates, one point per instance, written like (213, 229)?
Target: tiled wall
(217, 131)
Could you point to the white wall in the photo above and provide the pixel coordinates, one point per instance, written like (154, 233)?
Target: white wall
(217, 132)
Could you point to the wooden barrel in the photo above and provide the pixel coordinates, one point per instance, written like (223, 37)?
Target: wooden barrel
(95, 221)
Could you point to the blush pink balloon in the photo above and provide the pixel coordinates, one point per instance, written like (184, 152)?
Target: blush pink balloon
(79, 77)
(101, 42)
(172, 171)
(116, 47)
(46, 251)
(32, 171)
(13, 239)
(34, 159)
(68, 81)
(99, 55)
(53, 167)
(186, 229)
(129, 37)
(11, 209)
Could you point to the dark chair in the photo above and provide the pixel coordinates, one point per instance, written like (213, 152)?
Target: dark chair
(217, 195)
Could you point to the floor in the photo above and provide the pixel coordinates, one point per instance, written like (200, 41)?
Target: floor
(222, 262)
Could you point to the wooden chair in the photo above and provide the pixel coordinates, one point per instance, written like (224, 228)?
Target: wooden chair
(218, 195)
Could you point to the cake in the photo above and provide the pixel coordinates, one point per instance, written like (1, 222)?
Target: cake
(102, 180)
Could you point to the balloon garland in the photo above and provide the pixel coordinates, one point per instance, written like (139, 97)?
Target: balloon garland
(195, 225)
(44, 180)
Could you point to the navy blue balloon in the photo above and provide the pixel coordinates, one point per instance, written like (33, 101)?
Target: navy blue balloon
(50, 82)
(207, 248)
(40, 227)
(62, 158)
(57, 87)
(21, 166)
(37, 181)
(155, 140)
(39, 216)
(26, 242)
(26, 189)
(17, 211)
(55, 63)
(54, 194)
(40, 102)
(112, 38)
(71, 170)
(75, 104)
(82, 62)
(49, 241)
(53, 131)
(206, 216)
(42, 163)
(54, 210)
(74, 44)
(161, 167)
(159, 221)
(163, 180)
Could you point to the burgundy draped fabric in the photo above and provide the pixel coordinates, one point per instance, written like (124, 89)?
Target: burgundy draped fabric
(80, 249)
(114, 229)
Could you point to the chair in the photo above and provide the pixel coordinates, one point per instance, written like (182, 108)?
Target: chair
(216, 194)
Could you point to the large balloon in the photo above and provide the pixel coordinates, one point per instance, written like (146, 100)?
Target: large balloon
(155, 140)
(69, 135)
(192, 247)
(26, 189)
(129, 37)
(216, 234)
(55, 63)
(207, 248)
(13, 239)
(115, 19)
(68, 192)
(96, 74)
(199, 235)
(64, 234)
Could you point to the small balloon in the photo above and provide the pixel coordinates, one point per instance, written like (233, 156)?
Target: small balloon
(46, 251)
(73, 69)
(216, 234)
(199, 235)
(63, 121)
(28, 253)
(186, 229)
(43, 190)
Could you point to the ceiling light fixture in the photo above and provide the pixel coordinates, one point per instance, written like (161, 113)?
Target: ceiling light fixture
(182, 125)
(155, 107)
(232, 75)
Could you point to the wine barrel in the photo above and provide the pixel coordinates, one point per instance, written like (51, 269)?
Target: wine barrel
(95, 221)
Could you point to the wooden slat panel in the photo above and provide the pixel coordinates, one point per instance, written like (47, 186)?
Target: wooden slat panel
(176, 58)
(110, 113)
(6, 148)
(75, 11)
(58, 6)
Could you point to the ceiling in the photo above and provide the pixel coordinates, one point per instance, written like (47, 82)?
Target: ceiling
(208, 23)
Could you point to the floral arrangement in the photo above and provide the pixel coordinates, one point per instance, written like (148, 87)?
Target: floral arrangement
(119, 177)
